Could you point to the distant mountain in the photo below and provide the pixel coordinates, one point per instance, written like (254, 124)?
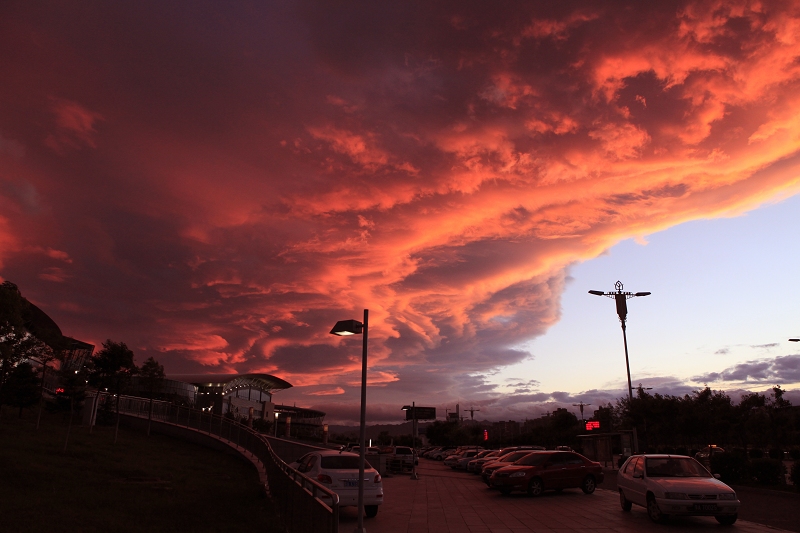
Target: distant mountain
(394, 430)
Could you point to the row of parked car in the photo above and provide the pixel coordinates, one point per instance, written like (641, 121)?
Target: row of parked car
(663, 484)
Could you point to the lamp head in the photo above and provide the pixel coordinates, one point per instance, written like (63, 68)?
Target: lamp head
(347, 327)
(597, 293)
(642, 294)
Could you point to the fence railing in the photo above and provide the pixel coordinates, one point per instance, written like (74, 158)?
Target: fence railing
(303, 504)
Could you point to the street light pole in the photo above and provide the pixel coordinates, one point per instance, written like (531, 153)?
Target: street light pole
(622, 311)
(581, 405)
(353, 327)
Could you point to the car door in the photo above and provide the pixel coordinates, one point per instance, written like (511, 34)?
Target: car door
(638, 485)
(553, 472)
(574, 470)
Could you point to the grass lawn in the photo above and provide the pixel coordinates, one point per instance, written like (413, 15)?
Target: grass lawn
(142, 483)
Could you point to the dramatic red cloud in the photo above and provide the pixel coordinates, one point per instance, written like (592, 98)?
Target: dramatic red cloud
(216, 185)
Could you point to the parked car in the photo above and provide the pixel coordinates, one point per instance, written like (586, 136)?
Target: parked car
(459, 461)
(540, 471)
(501, 461)
(406, 456)
(508, 449)
(706, 453)
(442, 453)
(478, 461)
(675, 485)
(338, 471)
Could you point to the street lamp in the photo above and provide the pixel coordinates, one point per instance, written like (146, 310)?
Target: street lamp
(354, 327)
(581, 405)
(277, 414)
(622, 311)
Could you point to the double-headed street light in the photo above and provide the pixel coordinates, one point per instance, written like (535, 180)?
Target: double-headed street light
(354, 327)
(622, 311)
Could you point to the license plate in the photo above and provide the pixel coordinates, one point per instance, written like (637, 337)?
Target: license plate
(350, 482)
(705, 507)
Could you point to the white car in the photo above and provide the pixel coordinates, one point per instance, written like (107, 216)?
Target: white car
(675, 485)
(338, 471)
(460, 461)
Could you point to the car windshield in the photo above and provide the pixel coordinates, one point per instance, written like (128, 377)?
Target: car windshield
(342, 462)
(514, 456)
(674, 467)
(533, 459)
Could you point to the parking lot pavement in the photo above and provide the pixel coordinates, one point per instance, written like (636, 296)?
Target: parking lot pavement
(446, 501)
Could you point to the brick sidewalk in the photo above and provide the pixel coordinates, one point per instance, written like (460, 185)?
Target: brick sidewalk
(446, 501)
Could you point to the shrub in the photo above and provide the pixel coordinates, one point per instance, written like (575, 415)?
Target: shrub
(776, 453)
(755, 453)
(795, 475)
(731, 467)
(767, 471)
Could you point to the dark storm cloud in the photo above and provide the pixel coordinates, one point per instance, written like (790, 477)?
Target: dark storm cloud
(217, 184)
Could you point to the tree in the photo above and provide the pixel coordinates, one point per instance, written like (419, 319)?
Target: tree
(12, 331)
(152, 375)
(112, 368)
(22, 387)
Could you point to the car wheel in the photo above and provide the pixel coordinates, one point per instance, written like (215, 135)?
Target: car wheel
(623, 501)
(588, 485)
(535, 487)
(727, 519)
(370, 510)
(505, 491)
(653, 511)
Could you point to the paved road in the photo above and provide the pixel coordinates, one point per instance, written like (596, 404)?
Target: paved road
(444, 501)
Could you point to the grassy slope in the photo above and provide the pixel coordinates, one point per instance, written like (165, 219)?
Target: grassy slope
(139, 484)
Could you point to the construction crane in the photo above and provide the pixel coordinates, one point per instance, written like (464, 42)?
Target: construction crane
(581, 405)
(472, 413)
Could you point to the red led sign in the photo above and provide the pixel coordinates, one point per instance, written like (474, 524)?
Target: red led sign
(592, 424)
(59, 390)
(485, 434)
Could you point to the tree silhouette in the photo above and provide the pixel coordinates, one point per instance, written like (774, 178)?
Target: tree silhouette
(22, 387)
(112, 368)
(152, 376)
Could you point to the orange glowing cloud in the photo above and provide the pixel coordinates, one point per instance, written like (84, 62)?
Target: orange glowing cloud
(220, 198)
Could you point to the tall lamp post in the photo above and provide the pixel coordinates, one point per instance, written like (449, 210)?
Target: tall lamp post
(622, 311)
(581, 405)
(354, 327)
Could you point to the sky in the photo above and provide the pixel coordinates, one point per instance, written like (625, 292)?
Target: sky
(216, 185)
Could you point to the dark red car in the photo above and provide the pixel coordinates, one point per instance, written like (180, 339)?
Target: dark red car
(550, 470)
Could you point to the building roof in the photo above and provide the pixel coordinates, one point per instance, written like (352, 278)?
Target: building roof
(265, 382)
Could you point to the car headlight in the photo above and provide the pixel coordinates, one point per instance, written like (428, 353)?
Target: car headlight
(517, 474)
(727, 496)
(676, 496)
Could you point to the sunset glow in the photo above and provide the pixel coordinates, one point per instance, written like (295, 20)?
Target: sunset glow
(217, 185)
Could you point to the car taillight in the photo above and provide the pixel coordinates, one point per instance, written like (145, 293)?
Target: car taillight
(322, 478)
(377, 478)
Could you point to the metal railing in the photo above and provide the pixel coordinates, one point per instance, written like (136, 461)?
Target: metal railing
(303, 504)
